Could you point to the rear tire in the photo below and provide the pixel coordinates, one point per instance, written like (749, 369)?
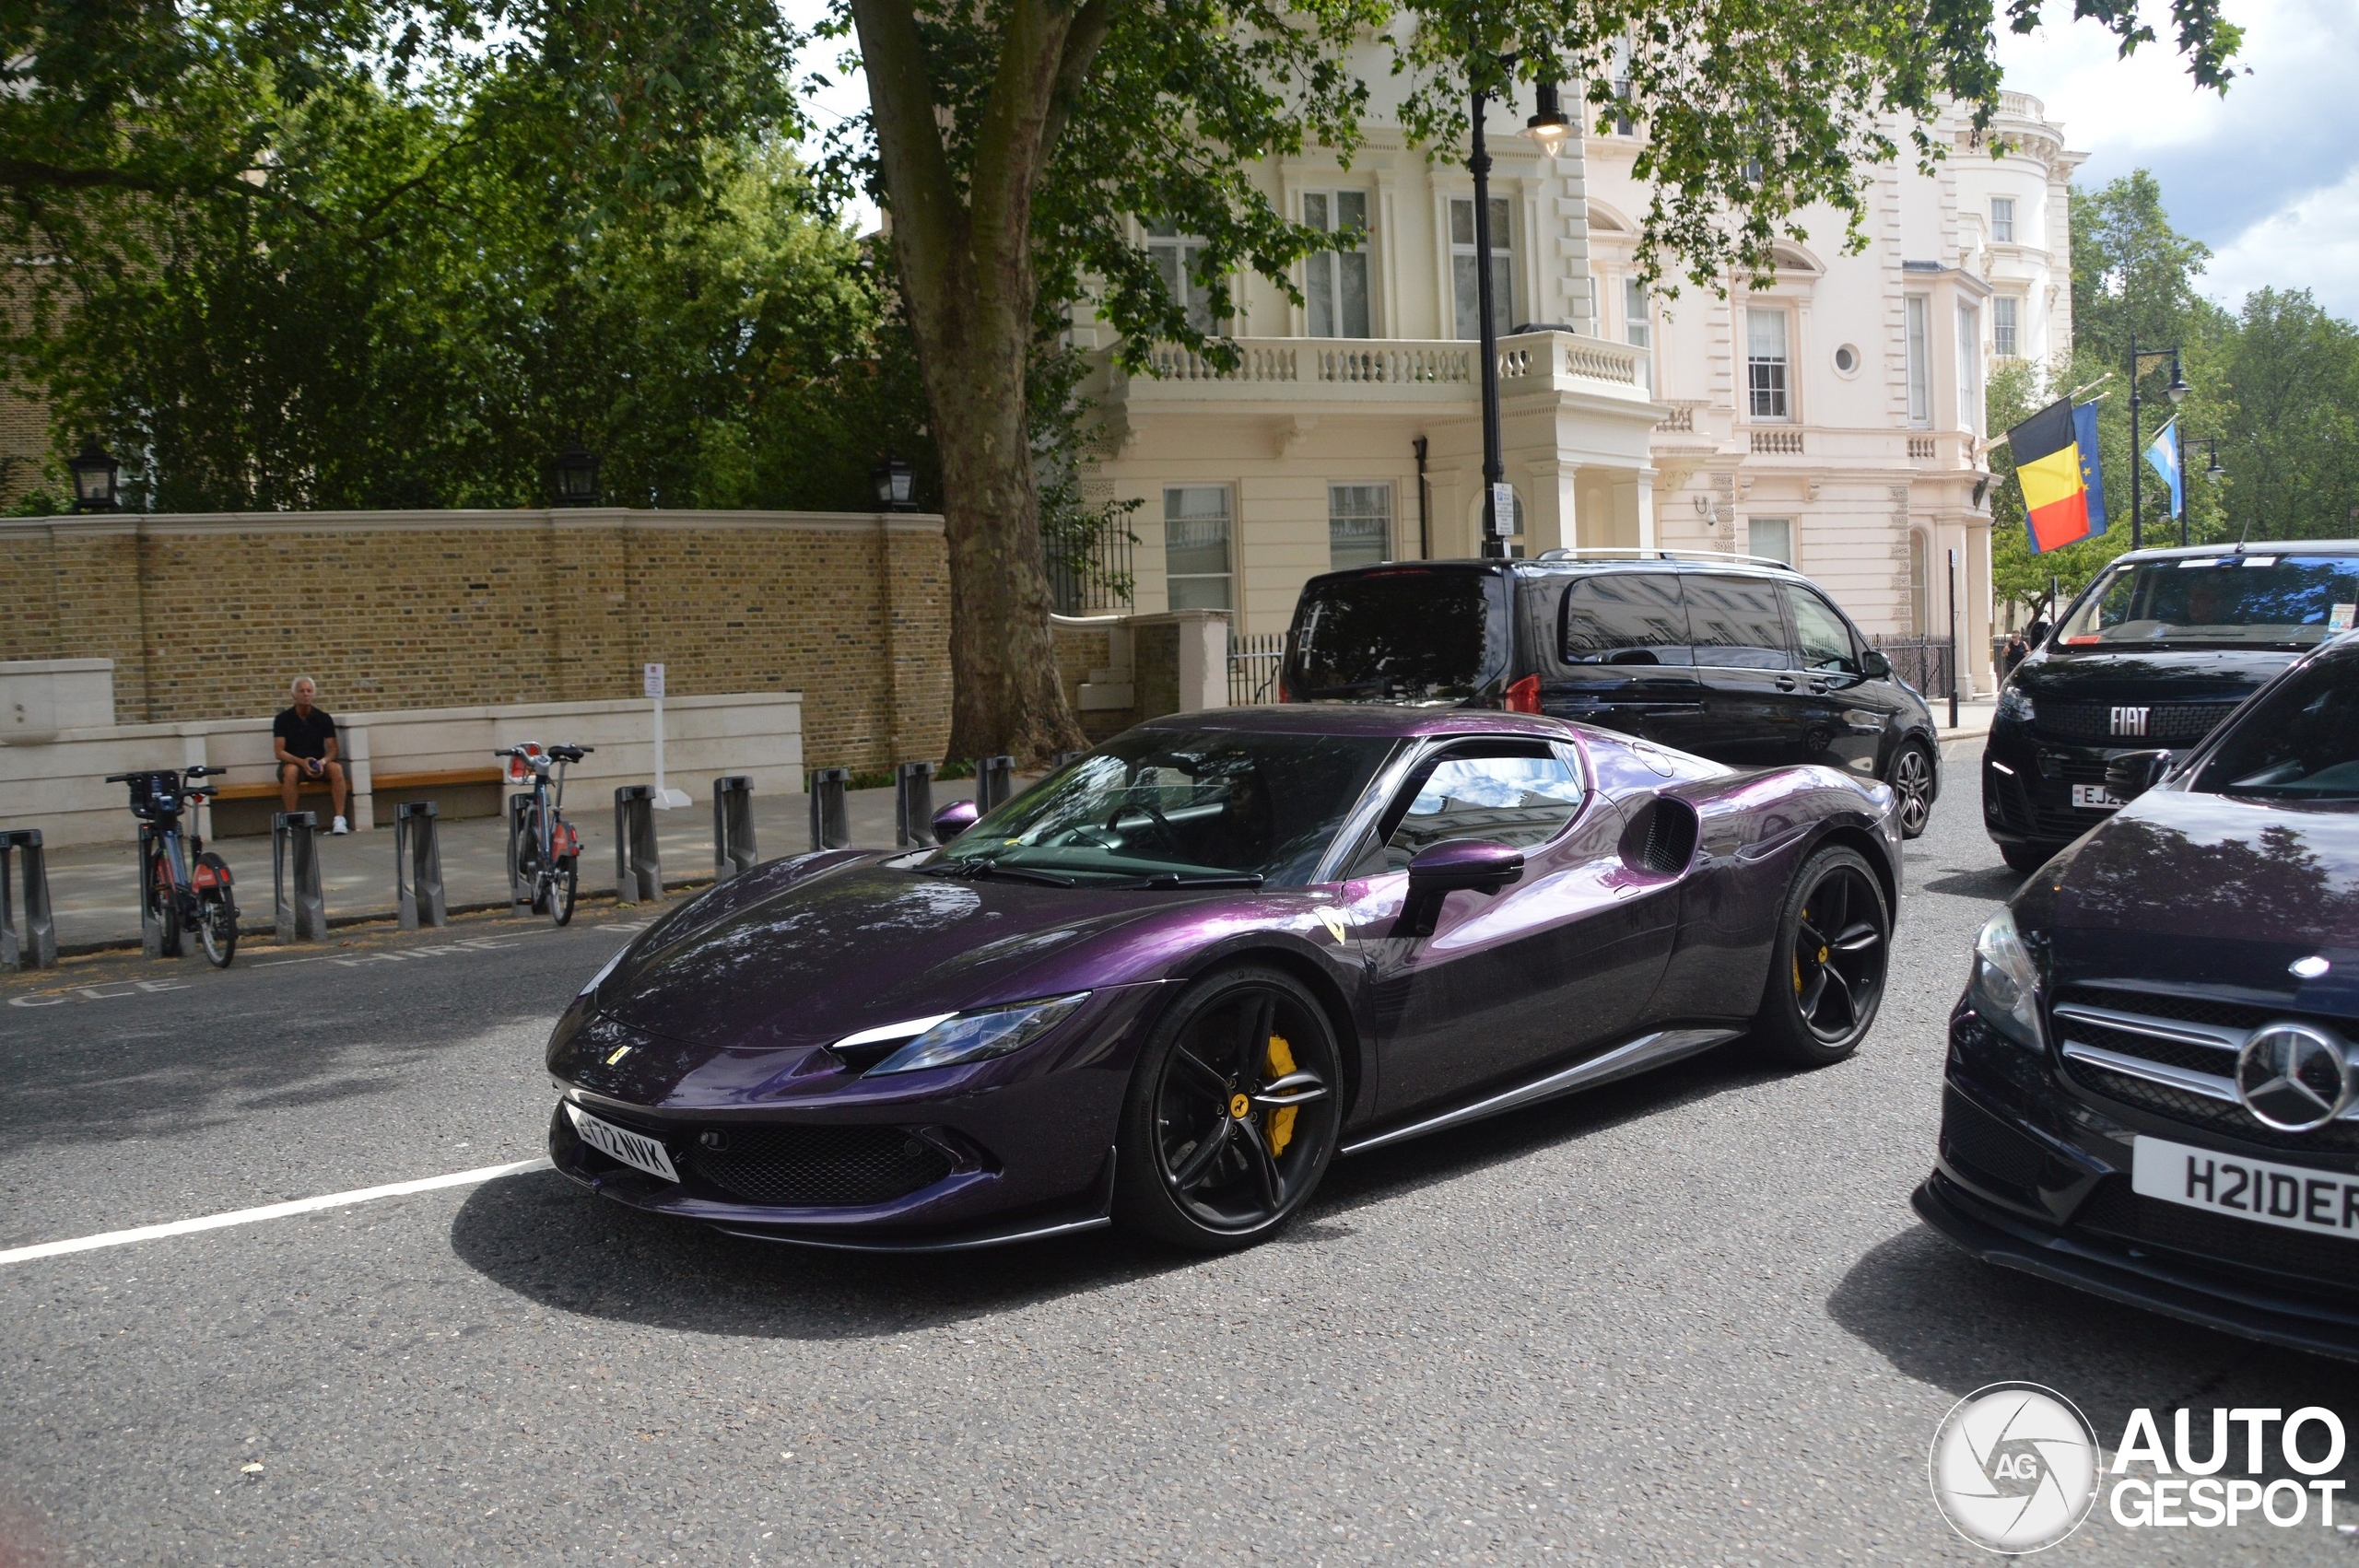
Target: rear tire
(561, 883)
(1912, 779)
(2026, 858)
(163, 906)
(219, 932)
(1827, 971)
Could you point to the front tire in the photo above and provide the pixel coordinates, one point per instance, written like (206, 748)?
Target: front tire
(2026, 858)
(1912, 780)
(1232, 1114)
(1827, 971)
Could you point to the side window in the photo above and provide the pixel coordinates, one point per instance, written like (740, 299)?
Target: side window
(1625, 618)
(1825, 640)
(1524, 799)
(1737, 622)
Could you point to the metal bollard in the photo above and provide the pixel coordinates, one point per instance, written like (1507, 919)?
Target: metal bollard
(417, 867)
(31, 942)
(1063, 757)
(520, 886)
(831, 813)
(301, 912)
(913, 804)
(638, 860)
(733, 827)
(994, 781)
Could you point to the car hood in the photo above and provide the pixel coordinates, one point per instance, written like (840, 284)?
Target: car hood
(2199, 892)
(2208, 674)
(804, 959)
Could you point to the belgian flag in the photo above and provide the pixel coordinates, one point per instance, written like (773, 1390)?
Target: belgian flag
(2049, 467)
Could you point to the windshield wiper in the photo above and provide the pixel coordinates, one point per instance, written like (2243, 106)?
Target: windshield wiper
(977, 869)
(1210, 878)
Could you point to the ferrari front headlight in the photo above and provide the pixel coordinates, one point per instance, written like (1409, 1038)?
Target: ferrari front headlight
(978, 1036)
(2004, 986)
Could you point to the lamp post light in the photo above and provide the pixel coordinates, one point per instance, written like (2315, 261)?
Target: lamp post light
(2176, 393)
(896, 483)
(98, 478)
(576, 476)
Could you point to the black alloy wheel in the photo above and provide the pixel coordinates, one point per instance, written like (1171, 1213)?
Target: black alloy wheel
(562, 877)
(1232, 1114)
(1912, 780)
(1826, 973)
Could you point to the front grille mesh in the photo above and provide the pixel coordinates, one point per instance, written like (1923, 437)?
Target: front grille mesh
(2117, 1211)
(818, 1166)
(2223, 1116)
(2167, 723)
(1974, 1137)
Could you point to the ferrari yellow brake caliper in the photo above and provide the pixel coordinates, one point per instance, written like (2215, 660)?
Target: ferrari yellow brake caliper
(1281, 1123)
(1798, 964)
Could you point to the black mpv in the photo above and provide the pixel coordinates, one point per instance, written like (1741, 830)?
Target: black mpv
(2156, 652)
(1733, 659)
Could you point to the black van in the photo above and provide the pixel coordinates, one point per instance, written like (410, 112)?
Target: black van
(1735, 658)
(2152, 656)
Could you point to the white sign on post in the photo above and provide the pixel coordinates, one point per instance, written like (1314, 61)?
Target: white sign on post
(1503, 509)
(665, 799)
(654, 680)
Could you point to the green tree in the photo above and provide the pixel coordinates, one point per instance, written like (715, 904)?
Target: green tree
(2291, 443)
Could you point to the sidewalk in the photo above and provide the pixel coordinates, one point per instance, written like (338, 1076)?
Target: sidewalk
(1973, 718)
(94, 887)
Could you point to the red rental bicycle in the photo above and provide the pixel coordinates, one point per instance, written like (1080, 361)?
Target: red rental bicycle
(187, 887)
(544, 853)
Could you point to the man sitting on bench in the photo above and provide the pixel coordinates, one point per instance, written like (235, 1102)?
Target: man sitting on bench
(303, 738)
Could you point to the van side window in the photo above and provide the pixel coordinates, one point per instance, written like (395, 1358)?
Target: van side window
(1625, 618)
(1826, 640)
(1737, 622)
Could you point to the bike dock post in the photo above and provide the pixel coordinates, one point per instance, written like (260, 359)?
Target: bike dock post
(417, 867)
(299, 911)
(29, 942)
(830, 813)
(639, 860)
(520, 891)
(1063, 757)
(994, 781)
(913, 805)
(733, 827)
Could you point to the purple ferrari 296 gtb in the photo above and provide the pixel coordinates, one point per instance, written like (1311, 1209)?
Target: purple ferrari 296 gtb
(1173, 980)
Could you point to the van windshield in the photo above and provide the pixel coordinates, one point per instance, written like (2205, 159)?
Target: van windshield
(2253, 599)
(1405, 635)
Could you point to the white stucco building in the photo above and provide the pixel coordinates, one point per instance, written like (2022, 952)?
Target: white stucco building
(1832, 418)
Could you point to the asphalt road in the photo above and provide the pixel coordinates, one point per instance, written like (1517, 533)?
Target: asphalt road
(1687, 1319)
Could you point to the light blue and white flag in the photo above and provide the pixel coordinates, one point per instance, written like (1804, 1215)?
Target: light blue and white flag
(2163, 456)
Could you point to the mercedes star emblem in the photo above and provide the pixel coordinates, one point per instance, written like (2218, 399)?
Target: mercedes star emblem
(2292, 1077)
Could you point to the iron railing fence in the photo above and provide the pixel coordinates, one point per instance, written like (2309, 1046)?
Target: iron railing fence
(1925, 662)
(1089, 569)
(1253, 668)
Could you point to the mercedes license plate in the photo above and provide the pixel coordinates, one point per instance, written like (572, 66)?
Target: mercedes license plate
(2298, 1198)
(2095, 796)
(630, 1148)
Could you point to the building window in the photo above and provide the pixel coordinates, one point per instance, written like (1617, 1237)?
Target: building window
(1463, 282)
(1969, 367)
(1359, 525)
(2006, 331)
(1335, 282)
(1638, 328)
(1622, 123)
(1175, 258)
(1921, 360)
(1920, 587)
(1196, 547)
(1765, 365)
(1773, 538)
(2002, 219)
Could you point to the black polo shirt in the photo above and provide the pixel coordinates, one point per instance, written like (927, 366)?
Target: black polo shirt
(305, 737)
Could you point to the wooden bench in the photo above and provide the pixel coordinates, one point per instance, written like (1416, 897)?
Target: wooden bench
(456, 791)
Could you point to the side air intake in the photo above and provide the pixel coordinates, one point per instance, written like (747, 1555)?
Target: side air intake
(1660, 839)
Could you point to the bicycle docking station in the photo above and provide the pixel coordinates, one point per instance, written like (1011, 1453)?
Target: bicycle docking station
(913, 805)
(417, 867)
(299, 908)
(158, 939)
(732, 826)
(520, 886)
(638, 859)
(28, 941)
(994, 781)
(830, 811)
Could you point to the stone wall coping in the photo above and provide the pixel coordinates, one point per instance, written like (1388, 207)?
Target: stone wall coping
(54, 666)
(392, 716)
(471, 519)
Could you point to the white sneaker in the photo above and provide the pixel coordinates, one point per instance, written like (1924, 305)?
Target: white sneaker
(339, 827)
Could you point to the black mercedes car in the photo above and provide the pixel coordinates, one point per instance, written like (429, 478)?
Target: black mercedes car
(2156, 652)
(2152, 1086)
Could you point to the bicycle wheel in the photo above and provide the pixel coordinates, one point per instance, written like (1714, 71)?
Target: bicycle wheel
(525, 854)
(563, 877)
(163, 906)
(216, 912)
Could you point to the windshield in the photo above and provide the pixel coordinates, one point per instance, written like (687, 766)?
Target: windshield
(2298, 742)
(1409, 635)
(2252, 599)
(1178, 806)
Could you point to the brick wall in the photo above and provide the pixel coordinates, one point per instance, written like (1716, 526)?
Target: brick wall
(210, 617)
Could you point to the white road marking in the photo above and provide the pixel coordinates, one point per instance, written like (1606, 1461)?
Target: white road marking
(267, 1211)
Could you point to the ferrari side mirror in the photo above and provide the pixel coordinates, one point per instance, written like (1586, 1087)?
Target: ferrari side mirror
(2131, 774)
(1440, 869)
(953, 820)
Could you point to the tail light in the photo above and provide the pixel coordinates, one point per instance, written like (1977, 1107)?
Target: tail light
(1524, 696)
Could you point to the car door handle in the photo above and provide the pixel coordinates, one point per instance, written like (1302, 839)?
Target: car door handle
(1818, 687)
(1785, 683)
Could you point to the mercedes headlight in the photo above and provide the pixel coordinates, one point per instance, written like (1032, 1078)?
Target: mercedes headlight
(978, 1036)
(2005, 985)
(2014, 705)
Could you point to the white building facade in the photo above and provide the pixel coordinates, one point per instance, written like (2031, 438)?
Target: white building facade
(1832, 418)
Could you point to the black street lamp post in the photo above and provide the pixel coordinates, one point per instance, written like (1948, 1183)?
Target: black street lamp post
(2176, 393)
(576, 476)
(896, 483)
(98, 478)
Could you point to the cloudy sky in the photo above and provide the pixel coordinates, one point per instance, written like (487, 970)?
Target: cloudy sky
(2266, 176)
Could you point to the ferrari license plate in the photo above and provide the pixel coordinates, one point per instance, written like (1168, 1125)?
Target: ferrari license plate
(2095, 796)
(630, 1148)
(2299, 1197)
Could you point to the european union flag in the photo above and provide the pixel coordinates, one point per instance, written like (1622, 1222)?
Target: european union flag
(2085, 435)
(2163, 455)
